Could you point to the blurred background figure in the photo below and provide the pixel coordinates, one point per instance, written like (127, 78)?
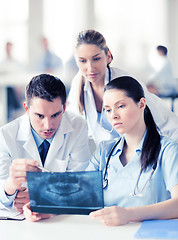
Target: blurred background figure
(161, 82)
(70, 70)
(49, 62)
(10, 67)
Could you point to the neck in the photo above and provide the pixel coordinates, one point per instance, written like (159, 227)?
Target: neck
(98, 84)
(134, 138)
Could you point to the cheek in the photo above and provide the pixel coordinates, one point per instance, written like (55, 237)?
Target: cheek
(57, 122)
(132, 116)
(81, 66)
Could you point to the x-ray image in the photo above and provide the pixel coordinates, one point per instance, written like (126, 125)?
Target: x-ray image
(65, 193)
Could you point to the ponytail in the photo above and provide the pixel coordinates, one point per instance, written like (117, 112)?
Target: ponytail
(151, 144)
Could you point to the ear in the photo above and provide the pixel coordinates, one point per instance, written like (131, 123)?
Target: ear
(109, 57)
(25, 105)
(142, 103)
(64, 108)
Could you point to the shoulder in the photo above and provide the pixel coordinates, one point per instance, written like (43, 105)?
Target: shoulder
(15, 124)
(106, 146)
(76, 78)
(74, 119)
(117, 72)
(167, 142)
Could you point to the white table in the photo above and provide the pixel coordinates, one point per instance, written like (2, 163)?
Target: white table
(79, 227)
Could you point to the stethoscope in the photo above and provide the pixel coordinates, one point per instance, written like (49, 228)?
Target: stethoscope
(109, 71)
(134, 194)
(109, 78)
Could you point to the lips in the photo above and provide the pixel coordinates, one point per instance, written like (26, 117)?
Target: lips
(117, 124)
(93, 75)
(47, 134)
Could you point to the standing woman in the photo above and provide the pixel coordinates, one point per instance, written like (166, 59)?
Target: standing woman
(140, 169)
(93, 58)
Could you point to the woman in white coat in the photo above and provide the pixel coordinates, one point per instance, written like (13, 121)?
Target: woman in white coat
(93, 58)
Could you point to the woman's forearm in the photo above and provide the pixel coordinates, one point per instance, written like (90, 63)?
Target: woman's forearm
(163, 210)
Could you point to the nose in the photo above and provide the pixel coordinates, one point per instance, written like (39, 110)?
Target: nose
(47, 122)
(90, 65)
(114, 114)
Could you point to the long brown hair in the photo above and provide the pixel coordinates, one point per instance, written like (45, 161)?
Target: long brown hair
(88, 37)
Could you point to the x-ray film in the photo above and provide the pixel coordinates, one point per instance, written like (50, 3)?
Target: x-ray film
(65, 193)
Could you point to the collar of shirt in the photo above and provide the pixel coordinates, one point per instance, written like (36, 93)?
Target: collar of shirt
(120, 146)
(38, 139)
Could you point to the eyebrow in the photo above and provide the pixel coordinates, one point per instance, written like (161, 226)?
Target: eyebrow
(114, 103)
(92, 56)
(57, 113)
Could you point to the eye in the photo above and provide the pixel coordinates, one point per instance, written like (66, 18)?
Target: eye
(121, 106)
(107, 110)
(40, 116)
(56, 114)
(82, 61)
(96, 59)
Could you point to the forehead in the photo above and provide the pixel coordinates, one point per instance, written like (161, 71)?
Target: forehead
(43, 106)
(88, 49)
(114, 95)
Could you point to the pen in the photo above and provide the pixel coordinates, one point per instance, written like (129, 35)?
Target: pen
(9, 218)
(43, 169)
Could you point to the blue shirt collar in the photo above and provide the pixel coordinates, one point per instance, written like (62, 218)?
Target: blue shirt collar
(120, 146)
(38, 139)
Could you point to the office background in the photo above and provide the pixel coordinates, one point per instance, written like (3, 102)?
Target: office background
(132, 30)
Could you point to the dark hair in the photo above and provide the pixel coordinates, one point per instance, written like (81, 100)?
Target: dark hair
(47, 87)
(89, 36)
(162, 49)
(151, 144)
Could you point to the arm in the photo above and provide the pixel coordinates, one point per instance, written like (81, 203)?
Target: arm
(166, 120)
(17, 174)
(115, 216)
(12, 188)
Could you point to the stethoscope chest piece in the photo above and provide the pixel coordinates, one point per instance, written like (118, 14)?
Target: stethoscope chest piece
(105, 183)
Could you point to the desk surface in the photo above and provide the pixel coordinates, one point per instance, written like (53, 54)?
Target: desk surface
(65, 227)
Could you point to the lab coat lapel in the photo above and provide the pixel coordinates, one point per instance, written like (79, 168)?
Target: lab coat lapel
(91, 109)
(90, 106)
(26, 137)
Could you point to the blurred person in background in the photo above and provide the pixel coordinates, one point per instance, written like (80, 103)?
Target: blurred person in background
(49, 62)
(10, 67)
(161, 82)
(93, 58)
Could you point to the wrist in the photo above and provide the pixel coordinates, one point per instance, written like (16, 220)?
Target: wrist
(9, 188)
(132, 214)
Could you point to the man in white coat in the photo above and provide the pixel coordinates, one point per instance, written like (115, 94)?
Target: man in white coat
(21, 139)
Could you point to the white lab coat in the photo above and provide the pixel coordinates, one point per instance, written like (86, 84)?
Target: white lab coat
(68, 151)
(166, 120)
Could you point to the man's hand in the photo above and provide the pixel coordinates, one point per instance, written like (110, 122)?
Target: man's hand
(21, 199)
(33, 216)
(17, 174)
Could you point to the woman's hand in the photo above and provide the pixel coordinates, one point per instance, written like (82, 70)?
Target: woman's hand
(112, 216)
(33, 216)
